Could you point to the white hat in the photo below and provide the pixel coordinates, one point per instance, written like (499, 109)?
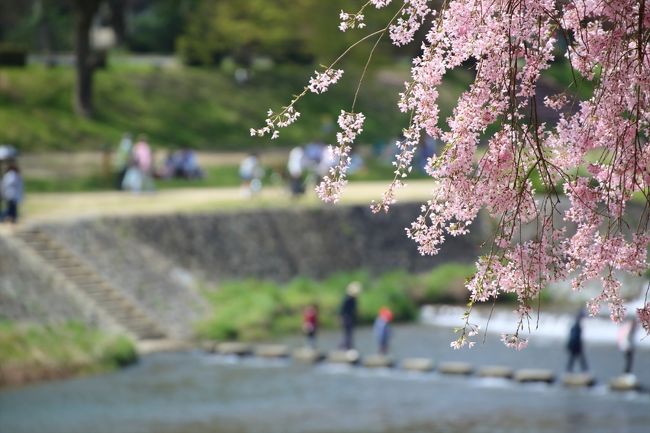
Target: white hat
(354, 288)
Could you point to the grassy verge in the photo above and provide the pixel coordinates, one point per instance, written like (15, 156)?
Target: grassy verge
(203, 108)
(32, 352)
(214, 176)
(254, 310)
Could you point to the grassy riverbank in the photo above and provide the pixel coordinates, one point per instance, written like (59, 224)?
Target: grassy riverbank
(34, 352)
(254, 310)
(203, 108)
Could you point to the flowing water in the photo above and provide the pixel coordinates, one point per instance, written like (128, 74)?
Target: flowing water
(195, 392)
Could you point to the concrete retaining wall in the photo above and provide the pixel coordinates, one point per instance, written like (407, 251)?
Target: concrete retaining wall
(281, 244)
(161, 260)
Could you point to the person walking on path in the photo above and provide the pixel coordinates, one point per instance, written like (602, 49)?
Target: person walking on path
(574, 345)
(143, 162)
(626, 342)
(123, 158)
(295, 168)
(251, 173)
(12, 191)
(382, 329)
(348, 314)
(310, 324)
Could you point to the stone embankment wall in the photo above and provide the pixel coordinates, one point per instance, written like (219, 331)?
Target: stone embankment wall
(281, 244)
(161, 261)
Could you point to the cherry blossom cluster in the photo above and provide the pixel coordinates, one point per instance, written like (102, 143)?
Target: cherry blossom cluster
(330, 188)
(321, 81)
(275, 121)
(592, 163)
(412, 17)
(514, 341)
(644, 317)
(351, 21)
(380, 3)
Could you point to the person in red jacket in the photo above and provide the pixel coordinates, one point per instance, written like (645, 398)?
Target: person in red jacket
(310, 324)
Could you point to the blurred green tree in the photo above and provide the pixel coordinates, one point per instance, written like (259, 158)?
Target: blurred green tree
(285, 30)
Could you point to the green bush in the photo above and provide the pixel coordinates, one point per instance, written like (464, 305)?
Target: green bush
(68, 346)
(444, 284)
(253, 310)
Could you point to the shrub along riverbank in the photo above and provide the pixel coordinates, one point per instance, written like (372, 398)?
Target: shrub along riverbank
(252, 310)
(33, 352)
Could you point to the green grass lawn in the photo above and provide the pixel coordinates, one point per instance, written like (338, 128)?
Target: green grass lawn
(203, 108)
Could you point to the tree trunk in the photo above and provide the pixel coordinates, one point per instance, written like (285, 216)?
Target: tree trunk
(85, 11)
(118, 19)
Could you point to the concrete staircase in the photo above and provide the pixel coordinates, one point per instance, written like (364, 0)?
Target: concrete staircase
(108, 298)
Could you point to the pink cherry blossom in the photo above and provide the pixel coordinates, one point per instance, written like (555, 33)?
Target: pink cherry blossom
(592, 164)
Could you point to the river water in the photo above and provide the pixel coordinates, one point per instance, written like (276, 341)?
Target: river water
(195, 392)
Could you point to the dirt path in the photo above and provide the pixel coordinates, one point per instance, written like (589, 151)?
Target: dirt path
(40, 207)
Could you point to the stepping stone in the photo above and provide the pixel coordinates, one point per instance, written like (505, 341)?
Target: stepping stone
(534, 375)
(234, 348)
(272, 351)
(417, 364)
(625, 382)
(209, 346)
(495, 371)
(146, 347)
(461, 368)
(578, 380)
(307, 355)
(344, 357)
(378, 361)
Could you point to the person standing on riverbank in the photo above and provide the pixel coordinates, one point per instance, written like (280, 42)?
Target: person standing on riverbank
(382, 329)
(348, 314)
(310, 324)
(575, 346)
(12, 191)
(626, 342)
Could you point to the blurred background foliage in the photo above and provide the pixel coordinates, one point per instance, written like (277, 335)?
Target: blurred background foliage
(195, 73)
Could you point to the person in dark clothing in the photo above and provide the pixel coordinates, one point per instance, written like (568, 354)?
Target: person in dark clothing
(574, 345)
(626, 340)
(348, 314)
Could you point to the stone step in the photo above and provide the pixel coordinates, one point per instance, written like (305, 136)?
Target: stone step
(417, 364)
(378, 361)
(123, 310)
(578, 380)
(625, 382)
(67, 266)
(146, 347)
(234, 348)
(56, 254)
(351, 357)
(148, 334)
(495, 371)
(95, 289)
(271, 351)
(209, 346)
(460, 368)
(40, 245)
(534, 375)
(79, 274)
(307, 355)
